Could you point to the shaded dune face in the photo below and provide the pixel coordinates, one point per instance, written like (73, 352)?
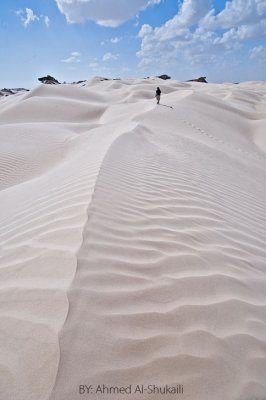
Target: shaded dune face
(136, 252)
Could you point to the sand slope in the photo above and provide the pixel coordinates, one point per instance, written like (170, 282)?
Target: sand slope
(133, 240)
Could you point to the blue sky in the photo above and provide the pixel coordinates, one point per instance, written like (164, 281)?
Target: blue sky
(78, 39)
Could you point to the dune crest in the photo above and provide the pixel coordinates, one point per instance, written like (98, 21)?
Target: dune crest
(133, 240)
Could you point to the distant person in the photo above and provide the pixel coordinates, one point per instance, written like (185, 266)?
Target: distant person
(158, 95)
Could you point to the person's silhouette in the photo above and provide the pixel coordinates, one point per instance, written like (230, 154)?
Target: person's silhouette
(158, 95)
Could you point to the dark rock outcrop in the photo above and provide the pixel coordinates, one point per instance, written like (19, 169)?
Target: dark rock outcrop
(49, 80)
(201, 79)
(8, 92)
(164, 77)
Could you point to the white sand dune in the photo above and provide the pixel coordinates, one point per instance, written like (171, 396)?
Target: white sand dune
(133, 240)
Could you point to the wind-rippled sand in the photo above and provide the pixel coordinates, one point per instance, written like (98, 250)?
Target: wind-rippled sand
(133, 240)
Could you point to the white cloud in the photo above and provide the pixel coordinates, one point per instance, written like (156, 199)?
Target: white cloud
(110, 56)
(145, 30)
(261, 8)
(74, 58)
(243, 32)
(258, 53)
(195, 34)
(115, 40)
(235, 13)
(191, 11)
(46, 21)
(104, 12)
(27, 16)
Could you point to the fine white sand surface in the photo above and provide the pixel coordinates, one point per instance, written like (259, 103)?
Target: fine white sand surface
(133, 241)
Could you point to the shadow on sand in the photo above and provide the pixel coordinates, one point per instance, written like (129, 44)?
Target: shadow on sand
(164, 105)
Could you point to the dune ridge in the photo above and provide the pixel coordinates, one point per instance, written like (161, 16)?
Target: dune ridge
(133, 240)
